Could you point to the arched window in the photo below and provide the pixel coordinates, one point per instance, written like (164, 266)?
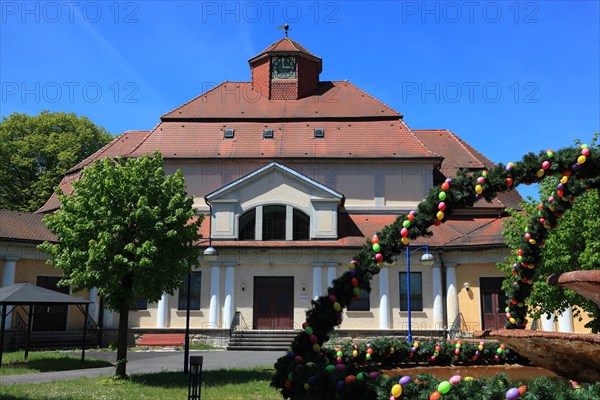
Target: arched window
(274, 222)
(248, 225)
(301, 225)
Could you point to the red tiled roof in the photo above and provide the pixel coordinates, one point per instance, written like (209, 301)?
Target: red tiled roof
(238, 100)
(285, 45)
(467, 231)
(119, 146)
(456, 154)
(66, 186)
(21, 226)
(459, 154)
(353, 139)
(354, 229)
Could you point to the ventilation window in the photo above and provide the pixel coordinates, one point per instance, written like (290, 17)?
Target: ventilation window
(268, 133)
(319, 132)
(229, 133)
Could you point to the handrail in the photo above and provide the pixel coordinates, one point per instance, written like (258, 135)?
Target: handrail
(234, 323)
(458, 327)
(245, 327)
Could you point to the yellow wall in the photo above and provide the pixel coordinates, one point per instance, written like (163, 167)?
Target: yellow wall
(27, 271)
(579, 326)
(469, 302)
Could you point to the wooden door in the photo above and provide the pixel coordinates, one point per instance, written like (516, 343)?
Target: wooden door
(493, 303)
(50, 318)
(273, 302)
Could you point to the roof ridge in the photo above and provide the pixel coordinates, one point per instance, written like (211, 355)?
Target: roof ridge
(419, 140)
(473, 151)
(143, 139)
(371, 96)
(478, 156)
(95, 154)
(466, 146)
(462, 235)
(197, 97)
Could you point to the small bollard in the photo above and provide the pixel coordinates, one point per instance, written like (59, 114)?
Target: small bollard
(195, 378)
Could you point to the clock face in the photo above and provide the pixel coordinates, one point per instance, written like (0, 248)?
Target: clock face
(283, 68)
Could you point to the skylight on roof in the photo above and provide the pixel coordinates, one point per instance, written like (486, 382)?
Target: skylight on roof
(229, 133)
(268, 133)
(319, 133)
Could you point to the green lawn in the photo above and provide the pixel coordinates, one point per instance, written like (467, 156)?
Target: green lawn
(246, 384)
(44, 361)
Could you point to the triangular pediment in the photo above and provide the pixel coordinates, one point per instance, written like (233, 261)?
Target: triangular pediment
(273, 175)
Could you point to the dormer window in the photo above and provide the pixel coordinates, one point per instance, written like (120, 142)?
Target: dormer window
(283, 67)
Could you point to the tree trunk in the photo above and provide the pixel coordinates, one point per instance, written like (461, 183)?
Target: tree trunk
(121, 371)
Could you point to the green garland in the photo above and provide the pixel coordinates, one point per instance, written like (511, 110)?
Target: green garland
(577, 169)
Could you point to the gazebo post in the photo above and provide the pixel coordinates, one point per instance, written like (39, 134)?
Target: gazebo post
(85, 321)
(29, 318)
(2, 332)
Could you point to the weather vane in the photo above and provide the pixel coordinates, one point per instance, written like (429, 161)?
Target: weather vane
(284, 27)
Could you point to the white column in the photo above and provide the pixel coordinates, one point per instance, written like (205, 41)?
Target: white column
(331, 275)
(93, 309)
(163, 311)
(547, 323)
(451, 293)
(229, 305)
(317, 281)
(384, 303)
(8, 278)
(438, 302)
(215, 297)
(108, 319)
(565, 321)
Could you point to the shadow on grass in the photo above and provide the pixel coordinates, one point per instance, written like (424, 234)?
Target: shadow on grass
(54, 364)
(209, 378)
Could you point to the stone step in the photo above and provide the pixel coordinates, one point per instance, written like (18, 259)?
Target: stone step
(261, 340)
(257, 348)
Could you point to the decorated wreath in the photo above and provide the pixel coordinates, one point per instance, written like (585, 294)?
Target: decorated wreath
(309, 371)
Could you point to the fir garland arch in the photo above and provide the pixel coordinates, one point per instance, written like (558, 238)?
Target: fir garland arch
(303, 372)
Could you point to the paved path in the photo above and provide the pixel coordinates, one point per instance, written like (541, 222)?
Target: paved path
(142, 362)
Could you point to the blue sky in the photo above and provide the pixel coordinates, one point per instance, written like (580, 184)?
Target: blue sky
(508, 77)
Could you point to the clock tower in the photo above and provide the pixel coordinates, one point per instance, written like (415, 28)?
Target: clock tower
(285, 71)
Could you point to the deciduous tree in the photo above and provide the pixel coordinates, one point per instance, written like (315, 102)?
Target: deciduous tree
(127, 229)
(573, 245)
(36, 151)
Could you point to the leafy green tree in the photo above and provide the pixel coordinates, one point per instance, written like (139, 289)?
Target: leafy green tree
(573, 245)
(37, 151)
(128, 230)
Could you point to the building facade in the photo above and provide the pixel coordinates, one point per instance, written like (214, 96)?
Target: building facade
(293, 173)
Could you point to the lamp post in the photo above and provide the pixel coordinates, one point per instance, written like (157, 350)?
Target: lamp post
(427, 260)
(209, 254)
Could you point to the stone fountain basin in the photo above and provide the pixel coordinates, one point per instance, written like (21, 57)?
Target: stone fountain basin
(574, 356)
(513, 372)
